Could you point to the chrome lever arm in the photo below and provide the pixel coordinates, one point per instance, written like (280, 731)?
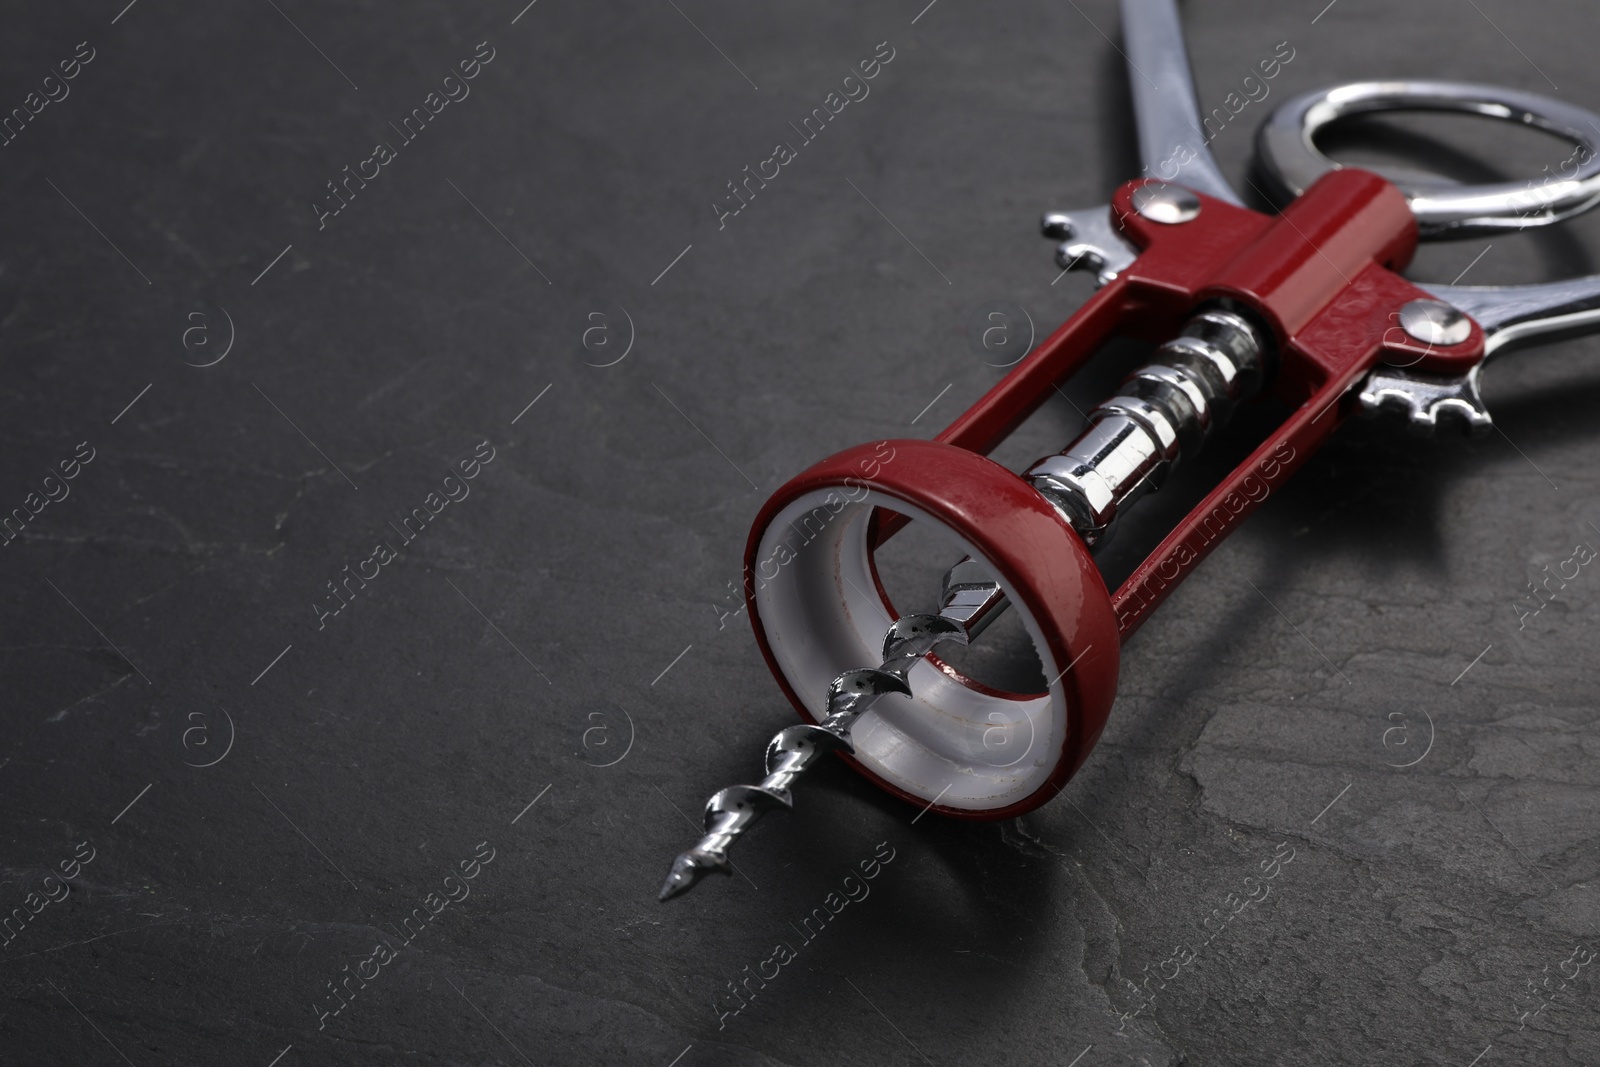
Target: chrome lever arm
(1512, 313)
(1507, 314)
(1172, 142)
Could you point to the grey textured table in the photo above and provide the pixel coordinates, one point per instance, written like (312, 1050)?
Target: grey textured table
(225, 784)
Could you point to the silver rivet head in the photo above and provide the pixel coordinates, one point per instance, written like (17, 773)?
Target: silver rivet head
(1433, 322)
(1166, 204)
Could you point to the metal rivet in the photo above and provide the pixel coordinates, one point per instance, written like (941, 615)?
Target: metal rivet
(1433, 322)
(1166, 204)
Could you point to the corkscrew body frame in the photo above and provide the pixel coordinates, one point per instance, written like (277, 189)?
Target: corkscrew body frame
(1164, 412)
(820, 616)
(1307, 304)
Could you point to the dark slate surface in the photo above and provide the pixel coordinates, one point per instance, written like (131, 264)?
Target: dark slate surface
(162, 616)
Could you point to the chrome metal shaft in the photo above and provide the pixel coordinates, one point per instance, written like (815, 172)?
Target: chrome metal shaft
(1163, 412)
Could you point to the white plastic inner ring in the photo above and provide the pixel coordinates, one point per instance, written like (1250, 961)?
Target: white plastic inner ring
(822, 614)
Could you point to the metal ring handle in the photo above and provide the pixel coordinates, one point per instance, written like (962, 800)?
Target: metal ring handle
(1292, 161)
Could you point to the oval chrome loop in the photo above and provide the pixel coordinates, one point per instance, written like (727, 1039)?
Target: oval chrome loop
(1291, 160)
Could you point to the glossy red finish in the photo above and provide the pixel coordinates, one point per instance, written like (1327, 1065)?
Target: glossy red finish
(1303, 257)
(1031, 548)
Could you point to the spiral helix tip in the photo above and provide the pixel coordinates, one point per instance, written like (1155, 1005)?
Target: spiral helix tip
(851, 694)
(688, 869)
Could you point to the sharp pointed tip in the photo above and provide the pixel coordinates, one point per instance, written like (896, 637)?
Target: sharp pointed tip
(679, 881)
(687, 870)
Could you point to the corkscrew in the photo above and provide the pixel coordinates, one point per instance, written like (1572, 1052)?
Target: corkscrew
(1305, 304)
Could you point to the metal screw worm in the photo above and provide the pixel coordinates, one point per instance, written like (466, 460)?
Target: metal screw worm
(792, 750)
